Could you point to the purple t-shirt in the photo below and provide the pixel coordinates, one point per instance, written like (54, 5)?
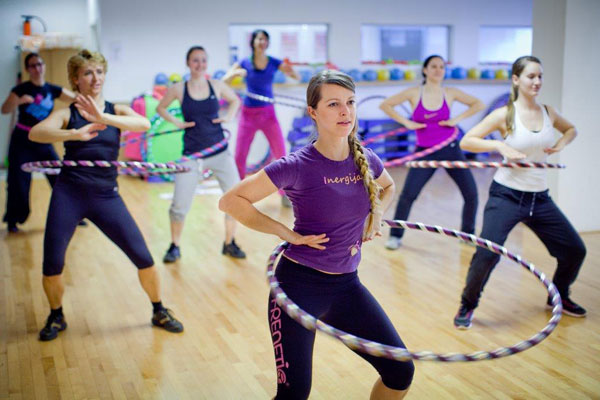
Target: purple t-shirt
(327, 197)
(260, 81)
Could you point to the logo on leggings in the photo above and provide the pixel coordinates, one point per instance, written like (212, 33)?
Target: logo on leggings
(275, 327)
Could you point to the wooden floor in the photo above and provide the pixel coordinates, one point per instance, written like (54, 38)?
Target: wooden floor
(110, 349)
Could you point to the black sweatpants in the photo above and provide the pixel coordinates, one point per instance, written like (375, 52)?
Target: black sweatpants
(18, 182)
(507, 207)
(418, 177)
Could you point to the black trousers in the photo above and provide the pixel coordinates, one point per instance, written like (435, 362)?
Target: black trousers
(418, 177)
(18, 183)
(507, 207)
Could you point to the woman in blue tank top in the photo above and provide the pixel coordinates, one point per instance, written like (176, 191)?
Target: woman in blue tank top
(199, 99)
(91, 129)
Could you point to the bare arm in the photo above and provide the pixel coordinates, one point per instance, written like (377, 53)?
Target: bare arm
(475, 105)
(235, 70)
(125, 118)
(474, 140)
(228, 94)
(563, 126)
(52, 129)
(67, 96)
(385, 199)
(13, 101)
(239, 203)
(387, 106)
(287, 69)
(175, 92)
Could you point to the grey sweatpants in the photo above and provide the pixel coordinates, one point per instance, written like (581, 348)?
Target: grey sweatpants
(224, 169)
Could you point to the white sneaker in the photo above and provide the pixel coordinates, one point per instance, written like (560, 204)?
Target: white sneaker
(393, 243)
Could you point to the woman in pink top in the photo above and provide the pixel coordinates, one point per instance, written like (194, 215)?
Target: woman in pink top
(431, 120)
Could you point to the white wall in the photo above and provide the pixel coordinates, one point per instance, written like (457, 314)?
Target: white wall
(579, 188)
(69, 16)
(143, 37)
(565, 38)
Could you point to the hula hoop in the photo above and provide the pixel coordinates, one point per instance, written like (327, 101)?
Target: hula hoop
(270, 100)
(402, 354)
(479, 164)
(401, 161)
(133, 168)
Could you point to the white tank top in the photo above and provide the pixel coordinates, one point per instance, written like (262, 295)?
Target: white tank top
(532, 144)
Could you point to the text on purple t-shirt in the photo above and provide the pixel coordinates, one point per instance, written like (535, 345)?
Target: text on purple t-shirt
(327, 197)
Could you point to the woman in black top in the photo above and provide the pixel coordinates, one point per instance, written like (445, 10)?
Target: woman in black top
(35, 100)
(90, 129)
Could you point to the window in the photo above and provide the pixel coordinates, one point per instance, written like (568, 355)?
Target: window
(403, 42)
(504, 44)
(302, 43)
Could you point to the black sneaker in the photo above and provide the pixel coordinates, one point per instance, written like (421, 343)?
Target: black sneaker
(172, 254)
(232, 250)
(463, 318)
(12, 228)
(53, 326)
(165, 319)
(569, 308)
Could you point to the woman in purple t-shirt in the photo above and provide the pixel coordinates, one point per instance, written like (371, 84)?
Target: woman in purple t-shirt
(259, 71)
(339, 191)
(431, 120)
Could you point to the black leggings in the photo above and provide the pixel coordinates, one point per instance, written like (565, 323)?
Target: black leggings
(507, 207)
(18, 182)
(341, 301)
(71, 203)
(418, 177)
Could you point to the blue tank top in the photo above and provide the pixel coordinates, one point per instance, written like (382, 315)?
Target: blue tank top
(260, 81)
(205, 133)
(105, 147)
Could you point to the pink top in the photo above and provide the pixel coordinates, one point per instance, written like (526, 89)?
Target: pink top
(433, 133)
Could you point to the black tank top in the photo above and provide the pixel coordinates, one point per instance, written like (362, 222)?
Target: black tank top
(204, 134)
(105, 147)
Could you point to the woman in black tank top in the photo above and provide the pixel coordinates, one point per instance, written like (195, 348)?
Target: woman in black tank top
(199, 99)
(91, 130)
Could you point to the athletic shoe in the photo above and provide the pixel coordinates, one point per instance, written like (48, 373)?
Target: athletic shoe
(233, 250)
(173, 254)
(463, 318)
(53, 326)
(165, 319)
(12, 228)
(569, 308)
(393, 243)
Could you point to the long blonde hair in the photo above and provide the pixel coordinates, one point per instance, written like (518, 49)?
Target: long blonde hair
(79, 60)
(517, 68)
(313, 96)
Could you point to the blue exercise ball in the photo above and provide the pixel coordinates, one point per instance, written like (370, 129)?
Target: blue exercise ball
(305, 75)
(161, 79)
(355, 75)
(459, 73)
(396, 74)
(487, 74)
(370, 75)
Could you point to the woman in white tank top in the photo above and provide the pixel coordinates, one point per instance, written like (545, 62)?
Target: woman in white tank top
(521, 195)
